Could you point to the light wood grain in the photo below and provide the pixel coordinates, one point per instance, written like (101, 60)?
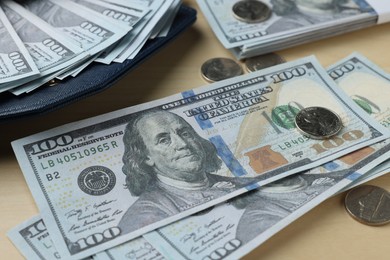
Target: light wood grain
(327, 232)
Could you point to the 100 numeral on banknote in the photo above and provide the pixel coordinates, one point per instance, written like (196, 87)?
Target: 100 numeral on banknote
(105, 180)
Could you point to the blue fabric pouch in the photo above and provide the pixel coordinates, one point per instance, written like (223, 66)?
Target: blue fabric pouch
(95, 78)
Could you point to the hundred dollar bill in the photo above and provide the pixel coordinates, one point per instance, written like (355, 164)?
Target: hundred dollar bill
(33, 241)
(32, 85)
(162, 28)
(92, 31)
(105, 180)
(45, 80)
(15, 61)
(36, 83)
(76, 70)
(233, 229)
(287, 18)
(129, 17)
(171, 18)
(157, 10)
(369, 86)
(50, 50)
(129, 42)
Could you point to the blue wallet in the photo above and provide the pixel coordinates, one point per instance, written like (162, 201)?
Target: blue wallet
(95, 78)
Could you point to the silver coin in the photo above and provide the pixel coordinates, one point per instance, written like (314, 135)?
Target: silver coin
(217, 69)
(369, 205)
(263, 61)
(318, 122)
(251, 11)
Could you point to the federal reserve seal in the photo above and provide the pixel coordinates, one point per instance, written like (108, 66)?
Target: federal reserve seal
(96, 180)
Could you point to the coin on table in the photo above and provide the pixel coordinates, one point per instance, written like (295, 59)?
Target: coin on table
(251, 11)
(263, 61)
(318, 122)
(369, 205)
(217, 69)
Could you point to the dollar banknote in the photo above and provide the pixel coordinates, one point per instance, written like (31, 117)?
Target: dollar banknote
(92, 31)
(162, 27)
(76, 70)
(15, 61)
(231, 230)
(129, 17)
(132, 46)
(33, 241)
(171, 18)
(105, 180)
(50, 50)
(287, 18)
(45, 80)
(129, 43)
(363, 81)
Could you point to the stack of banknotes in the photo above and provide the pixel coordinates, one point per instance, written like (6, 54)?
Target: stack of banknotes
(254, 27)
(46, 40)
(208, 173)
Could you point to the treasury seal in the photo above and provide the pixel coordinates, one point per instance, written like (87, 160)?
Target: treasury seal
(96, 180)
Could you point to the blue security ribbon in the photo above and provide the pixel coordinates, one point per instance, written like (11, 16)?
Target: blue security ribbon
(353, 176)
(227, 156)
(222, 149)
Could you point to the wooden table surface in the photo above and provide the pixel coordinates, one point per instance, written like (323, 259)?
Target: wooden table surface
(326, 232)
